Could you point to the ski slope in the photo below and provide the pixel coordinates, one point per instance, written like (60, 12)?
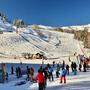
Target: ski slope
(57, 45)
(52, 43)
(77, 82)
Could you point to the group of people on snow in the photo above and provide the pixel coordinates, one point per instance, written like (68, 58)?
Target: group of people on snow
(46, 72)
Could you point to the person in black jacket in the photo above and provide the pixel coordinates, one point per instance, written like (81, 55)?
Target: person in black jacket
(84, 66)
(57, 71)
(75, 68)
(12, 70)
(80, 66)
(72, 64)
(28, 73)
(63, 65)
(45, 71)
(67, 68)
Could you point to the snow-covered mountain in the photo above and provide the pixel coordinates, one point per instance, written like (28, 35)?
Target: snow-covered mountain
(5, 26)
(43, 27)
(77, 27)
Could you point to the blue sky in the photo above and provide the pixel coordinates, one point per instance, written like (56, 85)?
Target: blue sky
(48, 12)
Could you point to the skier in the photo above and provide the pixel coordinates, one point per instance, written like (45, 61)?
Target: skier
(50, 70)
(74, 68)
(41, 80)
(7, 76)
(84, 66)
(80, 66)
(45, 70)
(28, 73)
(63, 65)
(67, 68)
(57, 71)
(41, 68)
(12, 70)
(48, 65)
(32, 74)
(17, 73)
(63, 75)
(53, 63)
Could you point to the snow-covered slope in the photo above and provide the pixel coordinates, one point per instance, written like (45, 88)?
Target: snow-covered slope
(77, 27)
(54, 44)
(78, 82)
(45, 27)
(81, 81)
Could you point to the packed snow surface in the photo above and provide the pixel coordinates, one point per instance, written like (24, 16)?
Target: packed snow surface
(78, 82)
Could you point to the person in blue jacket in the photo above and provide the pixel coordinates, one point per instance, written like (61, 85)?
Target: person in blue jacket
(50, 70)
(63, 75)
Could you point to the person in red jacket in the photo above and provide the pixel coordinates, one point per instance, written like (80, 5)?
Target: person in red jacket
(41, 80)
